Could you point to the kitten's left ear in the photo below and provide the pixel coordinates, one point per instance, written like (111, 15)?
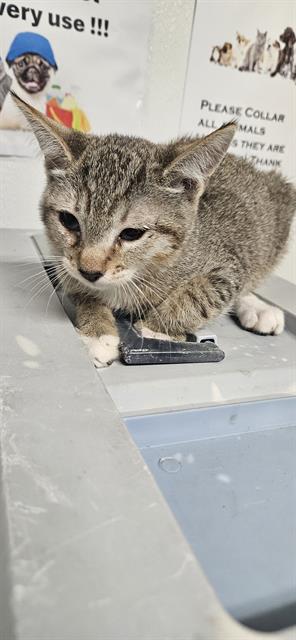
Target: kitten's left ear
(199, 159)
(60, 145)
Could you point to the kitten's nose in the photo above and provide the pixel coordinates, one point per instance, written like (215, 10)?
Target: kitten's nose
(92, 276)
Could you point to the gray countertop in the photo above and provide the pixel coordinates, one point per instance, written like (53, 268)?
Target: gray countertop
(90, 549)
(255, 366)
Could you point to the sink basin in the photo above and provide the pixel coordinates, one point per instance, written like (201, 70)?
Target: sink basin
(229, 476)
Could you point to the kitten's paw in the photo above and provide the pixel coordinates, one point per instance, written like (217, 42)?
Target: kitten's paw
(256, 315)
(103, 350)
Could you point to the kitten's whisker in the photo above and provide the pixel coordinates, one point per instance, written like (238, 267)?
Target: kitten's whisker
(61, 278)
(153, 283)
(32, 286)
(32, 263)
(154, 277)
(43, 288)
(65, 289)
(46, 276)
(135, 302)
(149, 287)
(153, 309)
(60, 283)
(62, 286)
(44, 282)
(49, 300)
(35, 275)
(127, 295)
(180, 309)
(139, 310)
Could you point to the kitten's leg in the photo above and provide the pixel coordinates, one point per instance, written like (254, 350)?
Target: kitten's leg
(98, 331)
(192, 304)
(258, 316)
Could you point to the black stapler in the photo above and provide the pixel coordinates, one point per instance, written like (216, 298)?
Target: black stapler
(136, 349)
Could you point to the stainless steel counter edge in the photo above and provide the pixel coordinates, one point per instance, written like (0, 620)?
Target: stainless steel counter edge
(89, 548)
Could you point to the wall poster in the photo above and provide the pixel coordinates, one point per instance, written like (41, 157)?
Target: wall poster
(242, 65)
(82, 62)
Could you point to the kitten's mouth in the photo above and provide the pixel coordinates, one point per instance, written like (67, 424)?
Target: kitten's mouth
(102, 283)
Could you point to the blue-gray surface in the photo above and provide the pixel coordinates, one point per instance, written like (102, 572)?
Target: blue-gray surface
(229, 475)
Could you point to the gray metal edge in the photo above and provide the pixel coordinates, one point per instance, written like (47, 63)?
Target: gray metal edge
(281, 292)
(94, 551)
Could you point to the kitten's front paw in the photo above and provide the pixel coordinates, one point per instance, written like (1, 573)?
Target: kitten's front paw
(103, 350)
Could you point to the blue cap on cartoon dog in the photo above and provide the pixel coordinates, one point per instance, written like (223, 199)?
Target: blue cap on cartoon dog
(28, 42)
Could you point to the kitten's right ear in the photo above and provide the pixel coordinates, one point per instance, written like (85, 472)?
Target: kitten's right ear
(199, 159)
(60, 145)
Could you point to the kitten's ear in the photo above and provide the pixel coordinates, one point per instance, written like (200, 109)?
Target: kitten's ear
(60, 145)
(199, 159)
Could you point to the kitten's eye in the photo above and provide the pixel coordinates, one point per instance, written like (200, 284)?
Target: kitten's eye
(131, 234)
(188, 184)
(69, 221)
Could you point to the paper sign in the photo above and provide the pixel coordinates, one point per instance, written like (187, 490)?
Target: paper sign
(242, 65)
(81, 62)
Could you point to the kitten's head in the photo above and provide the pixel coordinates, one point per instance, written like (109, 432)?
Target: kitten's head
(261, 37)
(117, 207)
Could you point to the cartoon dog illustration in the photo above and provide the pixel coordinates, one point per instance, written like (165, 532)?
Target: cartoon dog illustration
(270, 57)
(222, 55)
(32, 62)
(286, 56)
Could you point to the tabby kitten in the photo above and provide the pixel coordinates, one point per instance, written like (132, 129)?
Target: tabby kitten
(172, 233)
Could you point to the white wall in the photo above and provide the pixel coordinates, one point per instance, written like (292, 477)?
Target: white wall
(21, 180)
(167, 66)
(21, 184)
